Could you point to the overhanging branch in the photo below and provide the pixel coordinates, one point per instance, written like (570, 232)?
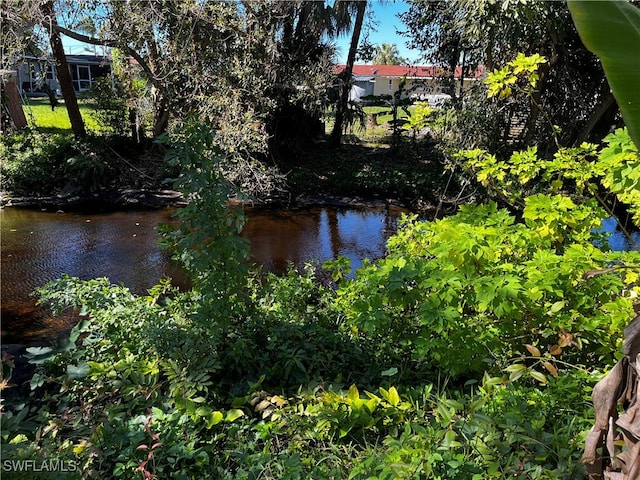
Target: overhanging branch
(113, 43)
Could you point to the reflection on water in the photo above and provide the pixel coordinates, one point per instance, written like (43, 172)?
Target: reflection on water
(41, 246)
(617, 240)
(38, 247)
(301, 236)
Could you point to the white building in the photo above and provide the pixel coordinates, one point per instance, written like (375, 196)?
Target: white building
(84, 69)
(422, 82)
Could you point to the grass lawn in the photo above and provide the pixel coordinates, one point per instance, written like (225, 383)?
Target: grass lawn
(376, 136)
(39, 115)
(382, 119)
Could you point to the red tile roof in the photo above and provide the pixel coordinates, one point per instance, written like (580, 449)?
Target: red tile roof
(403, 70)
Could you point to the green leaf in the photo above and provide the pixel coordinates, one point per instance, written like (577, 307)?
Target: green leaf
(234, 414)
(38, 355)
(393, 397)
(540, 377)
(353, 394)
(611, 30)
(214, 418)
(556, 307)
(516, 367)
(516, 371)
(449, 441)
(78, 371)
(389, 372)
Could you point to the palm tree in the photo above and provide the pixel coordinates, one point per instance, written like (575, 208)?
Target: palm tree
(388, 54)
(345, 86)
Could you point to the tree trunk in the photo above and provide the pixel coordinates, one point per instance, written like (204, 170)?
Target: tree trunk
(160, 122)
(453, 60)
(345, 86)
(161, 118)
(529, 131)
(62, 70)
(604, 105)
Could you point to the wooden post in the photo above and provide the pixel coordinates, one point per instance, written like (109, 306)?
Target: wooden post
(12, 113)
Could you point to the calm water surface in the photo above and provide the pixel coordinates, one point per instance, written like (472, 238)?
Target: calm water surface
(40, 246)
(318, 234)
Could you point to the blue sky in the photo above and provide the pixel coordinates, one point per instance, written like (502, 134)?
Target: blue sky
(385, 14)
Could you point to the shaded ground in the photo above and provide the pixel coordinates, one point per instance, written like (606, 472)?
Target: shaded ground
(413, 177)
(365, 173)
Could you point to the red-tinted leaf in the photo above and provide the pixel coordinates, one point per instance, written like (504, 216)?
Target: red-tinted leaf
(533, 350)
(555, 350)
(551, 368)
(565, 340)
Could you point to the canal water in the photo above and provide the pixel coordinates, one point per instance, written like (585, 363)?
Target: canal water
(40, 246)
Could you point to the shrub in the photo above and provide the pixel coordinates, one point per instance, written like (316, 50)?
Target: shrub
(34, 163)
(110, 106)
(481, 285)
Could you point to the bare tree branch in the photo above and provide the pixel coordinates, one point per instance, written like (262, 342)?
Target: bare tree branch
(114, 44)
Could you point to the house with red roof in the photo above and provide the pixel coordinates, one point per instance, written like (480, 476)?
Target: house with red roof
(422, 82)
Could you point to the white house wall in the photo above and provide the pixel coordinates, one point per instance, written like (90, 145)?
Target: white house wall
(83, 75)
(430, 86)
(30, 78)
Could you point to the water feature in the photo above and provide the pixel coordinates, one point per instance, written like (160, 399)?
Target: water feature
(618, 241)
(318, 234)
(40, 246)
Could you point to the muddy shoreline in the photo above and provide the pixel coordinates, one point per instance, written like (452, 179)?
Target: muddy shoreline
(151, 199)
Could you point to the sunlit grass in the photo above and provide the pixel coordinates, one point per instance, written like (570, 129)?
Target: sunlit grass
(386, 111)
(40, 116)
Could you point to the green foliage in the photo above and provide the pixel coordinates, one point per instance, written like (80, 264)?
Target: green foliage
(619, 165)
(143, 364)
(143, 388)
(521, 73)
(354, 115)
(420, 117)
(482, 285)
(111, 106)
(48, 164)
(207, 242)
(88, 168)
(34, 163)
(571, 87)
(280, 377)
(399, 104)
(610, 30)
(388, 54)
(582, 170)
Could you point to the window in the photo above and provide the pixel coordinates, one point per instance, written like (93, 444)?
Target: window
(390, 85)
(81, 75)
(84, 75)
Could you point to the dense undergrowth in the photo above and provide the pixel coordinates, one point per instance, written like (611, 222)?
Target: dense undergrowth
(469, 351)
(46, 161)
(39, 163)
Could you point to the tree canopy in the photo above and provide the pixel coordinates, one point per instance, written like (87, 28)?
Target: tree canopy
(573, 90)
